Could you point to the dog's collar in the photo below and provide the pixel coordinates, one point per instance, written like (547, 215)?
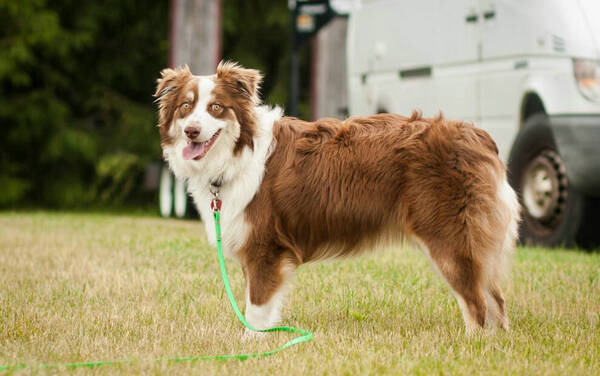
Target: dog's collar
(214, 185)
(216, 182)
(214, 188)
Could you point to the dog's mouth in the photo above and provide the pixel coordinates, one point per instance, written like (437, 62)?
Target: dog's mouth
(197, 150)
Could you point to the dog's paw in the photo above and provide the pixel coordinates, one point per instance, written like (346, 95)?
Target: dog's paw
(250, 335)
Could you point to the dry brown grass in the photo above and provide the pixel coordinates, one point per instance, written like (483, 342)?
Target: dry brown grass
(82, 287)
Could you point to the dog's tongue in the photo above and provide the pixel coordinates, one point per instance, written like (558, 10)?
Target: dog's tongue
(194, 150)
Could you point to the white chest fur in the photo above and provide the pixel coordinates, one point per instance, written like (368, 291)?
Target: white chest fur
(242, 176)
(234, 226)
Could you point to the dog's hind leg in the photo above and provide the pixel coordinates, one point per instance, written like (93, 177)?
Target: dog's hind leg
(495, 300)
(464, 275)
(267, 284)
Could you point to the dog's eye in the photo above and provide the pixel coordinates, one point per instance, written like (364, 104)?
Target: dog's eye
(215, 107)
(185, 105)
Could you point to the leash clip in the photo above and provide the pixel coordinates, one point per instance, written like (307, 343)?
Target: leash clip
(215, 203)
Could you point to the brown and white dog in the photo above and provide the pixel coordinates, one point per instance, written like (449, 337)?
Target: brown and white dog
(294, 191)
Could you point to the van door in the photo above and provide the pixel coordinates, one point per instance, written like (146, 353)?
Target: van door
(512, 35)
(415, 55)
(454, 88)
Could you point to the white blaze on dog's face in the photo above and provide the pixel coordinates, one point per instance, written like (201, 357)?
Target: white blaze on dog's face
(206, 118)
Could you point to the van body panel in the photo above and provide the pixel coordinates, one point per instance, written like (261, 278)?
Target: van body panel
(537, 27)
(477, 60)
(395, 34)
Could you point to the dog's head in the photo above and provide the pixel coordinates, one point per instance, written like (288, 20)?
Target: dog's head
(202, 117)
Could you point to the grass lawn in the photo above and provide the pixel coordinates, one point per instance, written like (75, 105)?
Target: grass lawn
(83, 287)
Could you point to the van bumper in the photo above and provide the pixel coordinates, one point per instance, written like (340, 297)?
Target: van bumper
(578, 140)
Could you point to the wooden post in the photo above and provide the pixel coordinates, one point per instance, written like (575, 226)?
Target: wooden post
(195, 40)
(196, 34)
(328, 79)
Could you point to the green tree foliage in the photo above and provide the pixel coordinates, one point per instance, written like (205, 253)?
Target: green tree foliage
(76, 83)
(76, 80)
(256, 33)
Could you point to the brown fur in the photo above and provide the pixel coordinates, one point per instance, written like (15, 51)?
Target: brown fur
(342, 185)
(333, 188)
(237, 89)
(170, 93)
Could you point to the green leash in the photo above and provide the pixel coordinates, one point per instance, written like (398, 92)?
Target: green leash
(305, 334)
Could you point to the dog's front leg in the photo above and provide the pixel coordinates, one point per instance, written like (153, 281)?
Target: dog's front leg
(267, 284)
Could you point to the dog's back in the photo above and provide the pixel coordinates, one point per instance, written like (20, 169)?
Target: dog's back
(336, 187)
(293, 192)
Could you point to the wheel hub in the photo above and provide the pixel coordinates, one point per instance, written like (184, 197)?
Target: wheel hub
(544, 187)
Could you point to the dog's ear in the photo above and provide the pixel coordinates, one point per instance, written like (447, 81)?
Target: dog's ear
(240, 80)
(170, 79)
(167, 89)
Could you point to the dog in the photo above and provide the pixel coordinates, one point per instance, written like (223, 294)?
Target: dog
(294, 192)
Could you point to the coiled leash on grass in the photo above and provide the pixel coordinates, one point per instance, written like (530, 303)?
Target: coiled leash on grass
(305, 334)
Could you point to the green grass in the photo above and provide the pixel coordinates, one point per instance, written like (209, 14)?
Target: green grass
(82, 287)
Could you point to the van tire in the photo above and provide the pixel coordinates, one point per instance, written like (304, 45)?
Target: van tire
(553, 210)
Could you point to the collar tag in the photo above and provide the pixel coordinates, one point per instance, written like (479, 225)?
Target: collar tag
(215, 204)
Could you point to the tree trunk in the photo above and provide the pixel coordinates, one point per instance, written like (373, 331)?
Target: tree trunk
(196, 34)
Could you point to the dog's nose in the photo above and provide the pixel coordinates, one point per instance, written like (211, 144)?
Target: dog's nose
(192, 132)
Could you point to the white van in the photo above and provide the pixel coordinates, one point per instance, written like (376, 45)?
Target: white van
(526, 71)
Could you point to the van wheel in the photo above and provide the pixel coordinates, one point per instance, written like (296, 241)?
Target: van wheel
(553, 210)
(165, 192)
